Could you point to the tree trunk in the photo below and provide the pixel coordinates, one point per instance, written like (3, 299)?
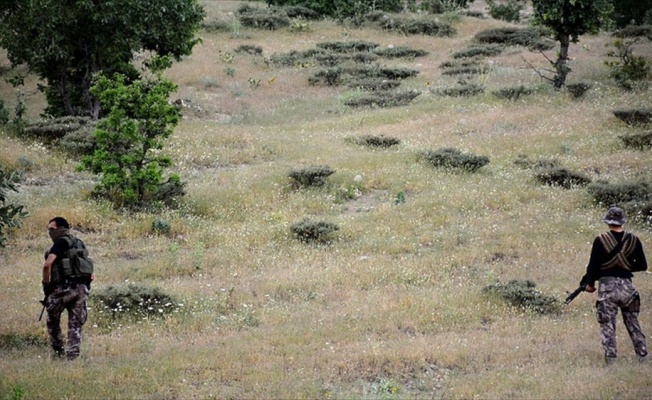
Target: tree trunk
(561, 65)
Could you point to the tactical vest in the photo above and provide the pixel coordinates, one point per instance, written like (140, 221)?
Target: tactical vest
(76, 266)
(620, 259)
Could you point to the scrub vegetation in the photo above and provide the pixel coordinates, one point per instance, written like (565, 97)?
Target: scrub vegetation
(331, 245)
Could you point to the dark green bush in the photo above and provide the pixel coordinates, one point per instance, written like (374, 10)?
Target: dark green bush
(384, 99)
(512, 93)
(562, 177)
(50, 131)
(18, 341)
(449, 158)
(217, 25)
(376, 141)
(330, 59)
(485, 50)
(531, 38)
(314, 175)
(636, 116)
(468, 70)
(249, 49)
(301, 12)
(418, 26)
(161, 226)
(311, 231)
(296, 58)
(348, 47)
(634, 31)
(523, 294)
(4, 113)
(133, 301)
(628, 70)
(442, 6)
(462, 90)
(609, 194)
(510, 11)
(270, 19)
(400, 52)
(578, 89)
(638, 141)
(10, 214)
(337, 75)
(373, 84)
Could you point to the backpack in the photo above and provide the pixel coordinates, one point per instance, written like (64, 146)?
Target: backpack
(77, 265)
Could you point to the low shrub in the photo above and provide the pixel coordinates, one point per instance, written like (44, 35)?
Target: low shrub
(249, 49)
(330, 59)
(299, 25)
(400, 52)
(462, 90)
(638, 141)
(636, 116)
(376, 141)
(310, 231)
(578, 89)
(384, 99)
(51, 131)
(314, 175)
(347, 47)
(531, 38)
(485, 50)
(133, 301)
(161, 226)
(462, 62)
(627, 69)
(523, 294)
(467, 70)
(217, 25)
(510, 11)
(634, 31)
(301, 12)
(450, 158)
(512, 93)
(609, 194)
(374, 84)
(296, 58)
(270, 19)
(418, 26)
(19, 341)
(562, 177)
(337, 75)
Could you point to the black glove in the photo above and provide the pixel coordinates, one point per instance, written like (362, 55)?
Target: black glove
(48, 288)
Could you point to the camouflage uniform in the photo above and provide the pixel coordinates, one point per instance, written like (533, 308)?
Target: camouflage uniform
(70, 297)
(614, 294)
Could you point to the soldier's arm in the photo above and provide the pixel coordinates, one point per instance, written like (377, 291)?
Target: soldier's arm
(47, 267)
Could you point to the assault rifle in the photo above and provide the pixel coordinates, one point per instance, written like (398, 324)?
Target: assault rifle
(45, 303)
(576, 293)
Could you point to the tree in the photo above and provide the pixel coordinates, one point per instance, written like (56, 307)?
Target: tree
(67, 42)
(632, 12)
(129, 140)
(568, 19)
(10, 215)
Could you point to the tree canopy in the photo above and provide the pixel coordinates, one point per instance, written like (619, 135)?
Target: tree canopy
(67, 42)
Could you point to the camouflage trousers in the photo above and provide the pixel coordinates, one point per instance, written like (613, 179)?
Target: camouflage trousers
(614, 294)
(73, 299)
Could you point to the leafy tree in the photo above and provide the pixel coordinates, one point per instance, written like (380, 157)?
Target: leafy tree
(10, 215)
(568, 19)
(67, 42)
(632, 11)
(129, 141)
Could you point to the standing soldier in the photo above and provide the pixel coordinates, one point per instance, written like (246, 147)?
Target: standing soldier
(614, 256)
(63, 292)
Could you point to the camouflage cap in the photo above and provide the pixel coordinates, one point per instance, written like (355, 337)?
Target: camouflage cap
(615, 216)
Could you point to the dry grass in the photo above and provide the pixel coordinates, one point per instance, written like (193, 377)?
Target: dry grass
(393, 307)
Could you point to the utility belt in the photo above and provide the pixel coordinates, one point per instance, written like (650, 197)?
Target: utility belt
(68, 282)
(606, 279)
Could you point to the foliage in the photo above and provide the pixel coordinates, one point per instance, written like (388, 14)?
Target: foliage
(129, 141)
(532, 38)
(417, 26)
(337, 75)
(10, 214)
(346, 47)
(270, 19)
(512, 93)
(578, 89)
(4, 112)
(485, 50)
(341, 9)
(634, 31)
(311, 231)
(523, 294)
(74, 135)
(133, 301)
(376, 141)
(463, 89)
(510, 11)
(639, 141)
(161, 226)
(523, 161)
(562, 177)
(45, 35)
(374, 84)
(634, 116)
(17, 341)
(400, 52)
(450, 158)
(634, 197)
(569, 19)
(627, 12)
(628, 70)
(442, 6)
(384, 99)
(249, 49)
(314, 175)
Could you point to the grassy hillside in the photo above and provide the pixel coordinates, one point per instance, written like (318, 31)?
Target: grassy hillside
(394, 306)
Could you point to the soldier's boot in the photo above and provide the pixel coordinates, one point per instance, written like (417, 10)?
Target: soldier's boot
(58, 353)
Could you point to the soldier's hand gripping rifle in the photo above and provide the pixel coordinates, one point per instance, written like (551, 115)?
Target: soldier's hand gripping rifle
(45, 303)
(576, 293)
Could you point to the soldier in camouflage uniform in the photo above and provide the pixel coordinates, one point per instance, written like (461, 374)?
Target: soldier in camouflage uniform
(615, 255)
(63, 294)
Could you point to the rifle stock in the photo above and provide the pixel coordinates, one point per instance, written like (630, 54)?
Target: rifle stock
(44, 302)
